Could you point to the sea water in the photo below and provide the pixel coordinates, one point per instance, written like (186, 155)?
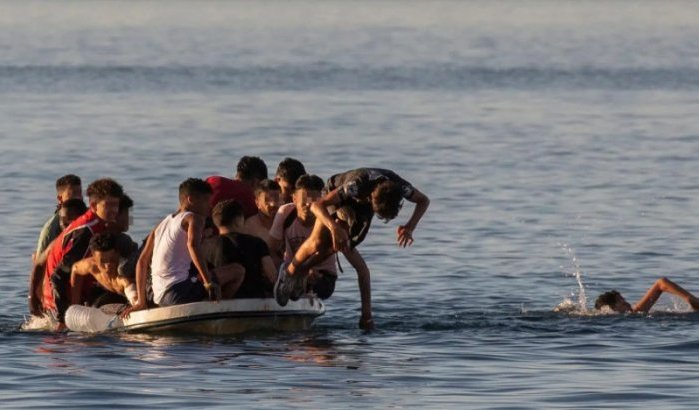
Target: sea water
(558, 142)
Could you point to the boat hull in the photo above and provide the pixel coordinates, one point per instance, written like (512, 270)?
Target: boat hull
(206, 318)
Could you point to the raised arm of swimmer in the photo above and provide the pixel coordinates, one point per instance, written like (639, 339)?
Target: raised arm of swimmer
(664, 285)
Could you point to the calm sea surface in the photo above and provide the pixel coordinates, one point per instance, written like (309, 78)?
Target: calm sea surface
(558, 142)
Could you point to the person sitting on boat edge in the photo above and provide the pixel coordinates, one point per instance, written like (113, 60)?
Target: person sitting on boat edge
(67, 187)
(294, 224)
(173, 252)
(110, 254)
(288, 172)
(235, 247)
(73, 244)
(249, 172)
(613, 300)
(70, 211)
(267, 201)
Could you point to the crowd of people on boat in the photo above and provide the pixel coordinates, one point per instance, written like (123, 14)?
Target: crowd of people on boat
(243, 237)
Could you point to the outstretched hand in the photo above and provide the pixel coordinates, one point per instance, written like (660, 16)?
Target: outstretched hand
(405, 236)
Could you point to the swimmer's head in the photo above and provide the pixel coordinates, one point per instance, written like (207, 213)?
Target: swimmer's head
(614, 301)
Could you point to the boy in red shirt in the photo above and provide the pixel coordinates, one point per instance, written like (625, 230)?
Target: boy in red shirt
(73, 243)
(250, 171)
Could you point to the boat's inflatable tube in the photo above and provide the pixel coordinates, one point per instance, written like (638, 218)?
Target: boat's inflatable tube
(224, 317)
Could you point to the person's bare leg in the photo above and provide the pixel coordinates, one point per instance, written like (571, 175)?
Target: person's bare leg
(313, 250)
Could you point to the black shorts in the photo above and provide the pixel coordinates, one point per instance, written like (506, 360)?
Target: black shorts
(322, 283)
(188, 291)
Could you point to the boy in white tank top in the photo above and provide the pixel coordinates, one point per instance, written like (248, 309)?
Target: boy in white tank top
(173, 247)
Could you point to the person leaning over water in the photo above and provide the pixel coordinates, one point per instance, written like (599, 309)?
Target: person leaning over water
(235, 247)
(73, 244)
(353, 197)
(67, 187)
(615, 302)
(294, 224)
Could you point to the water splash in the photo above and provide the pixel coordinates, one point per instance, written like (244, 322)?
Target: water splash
(38, 324)
(577, 273)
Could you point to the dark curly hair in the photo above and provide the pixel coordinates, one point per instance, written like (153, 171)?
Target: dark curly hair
(106, 241)
(607, 299)
(387, 200)
(102, 188)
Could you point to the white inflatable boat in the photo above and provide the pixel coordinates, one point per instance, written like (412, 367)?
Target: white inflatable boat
(223, 318)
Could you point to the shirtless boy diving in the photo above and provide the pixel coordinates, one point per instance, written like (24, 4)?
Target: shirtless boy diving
(614, 301)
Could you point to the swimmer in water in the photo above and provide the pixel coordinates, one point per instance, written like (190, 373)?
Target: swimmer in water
(614, 301)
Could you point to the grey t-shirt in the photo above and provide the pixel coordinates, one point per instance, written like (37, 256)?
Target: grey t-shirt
(49, 232)
(356, 185)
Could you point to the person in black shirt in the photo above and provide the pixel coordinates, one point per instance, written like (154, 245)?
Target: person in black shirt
(233, 247)
(343, 217)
